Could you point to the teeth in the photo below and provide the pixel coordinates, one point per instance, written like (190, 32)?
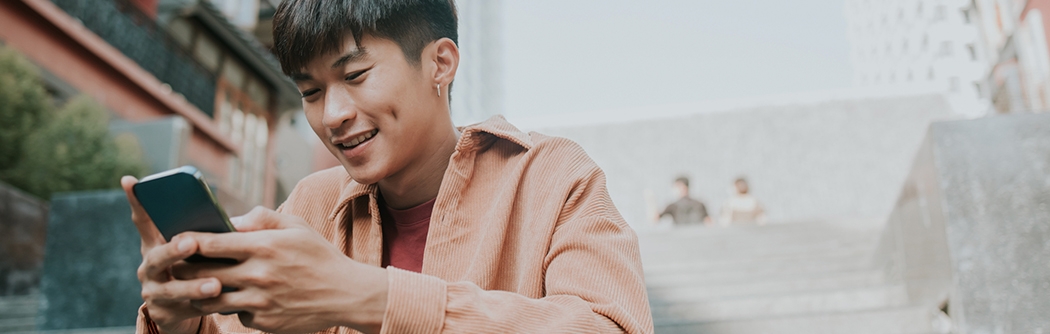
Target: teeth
(360, 139)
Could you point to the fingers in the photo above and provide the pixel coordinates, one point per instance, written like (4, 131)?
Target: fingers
(181, 290)
(189, 271)
(151, 237)
(232, 302)
(261, 218)
(237, 246)
(156, 262)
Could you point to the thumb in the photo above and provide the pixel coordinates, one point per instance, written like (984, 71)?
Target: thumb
(261, 218)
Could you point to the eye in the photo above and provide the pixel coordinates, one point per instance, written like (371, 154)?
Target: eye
(353, 76)
(310, 92)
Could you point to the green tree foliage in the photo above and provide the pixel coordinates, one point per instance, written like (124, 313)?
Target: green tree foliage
(24, 106)
(43, 151)
(75, 151)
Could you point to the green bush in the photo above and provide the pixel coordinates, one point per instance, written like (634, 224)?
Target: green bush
(44, 151)
(23, 105)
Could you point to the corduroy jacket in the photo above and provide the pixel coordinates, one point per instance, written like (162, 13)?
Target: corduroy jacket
(523, 238)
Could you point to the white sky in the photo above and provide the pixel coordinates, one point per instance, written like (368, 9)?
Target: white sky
(571, 56)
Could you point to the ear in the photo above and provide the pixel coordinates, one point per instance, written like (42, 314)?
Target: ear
(446, 60)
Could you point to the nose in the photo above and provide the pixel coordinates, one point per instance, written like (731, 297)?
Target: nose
(339, 108)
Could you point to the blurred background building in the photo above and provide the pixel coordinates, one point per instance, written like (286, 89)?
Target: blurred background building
(987, 55)
(1014, 35)
(920, 45)
(477, 92)
(152, 60)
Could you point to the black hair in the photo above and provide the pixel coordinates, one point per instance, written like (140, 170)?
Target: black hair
(683, 180)
(306, 29)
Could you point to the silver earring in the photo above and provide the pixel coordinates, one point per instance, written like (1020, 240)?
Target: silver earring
(439, 89)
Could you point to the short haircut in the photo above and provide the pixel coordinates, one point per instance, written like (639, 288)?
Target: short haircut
(741, 185)
(683, 180)
(306, 29)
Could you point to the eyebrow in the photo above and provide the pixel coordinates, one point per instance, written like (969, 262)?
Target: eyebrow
(349, 57)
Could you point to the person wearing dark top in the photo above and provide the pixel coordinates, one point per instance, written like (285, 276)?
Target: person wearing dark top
(686, 210)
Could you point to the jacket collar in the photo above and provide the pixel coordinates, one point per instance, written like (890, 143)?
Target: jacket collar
(472, 138)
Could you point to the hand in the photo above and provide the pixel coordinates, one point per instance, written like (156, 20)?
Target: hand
(167, 299)
(289, 278)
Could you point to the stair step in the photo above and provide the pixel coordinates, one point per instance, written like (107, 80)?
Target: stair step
(851, 259)
(768, 286)
(23, 324)
(676, 244)
(686, 258)
(756, 232)
(19, 306)
(799, 278)
(904, 320)
(856, 299)
(757, 273)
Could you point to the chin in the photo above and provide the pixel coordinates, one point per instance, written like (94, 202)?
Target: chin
(363, 174)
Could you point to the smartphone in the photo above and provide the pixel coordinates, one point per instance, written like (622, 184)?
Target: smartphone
(179, 200)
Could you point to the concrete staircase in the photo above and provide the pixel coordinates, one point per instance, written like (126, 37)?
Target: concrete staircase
(18, 313)
(789, 278)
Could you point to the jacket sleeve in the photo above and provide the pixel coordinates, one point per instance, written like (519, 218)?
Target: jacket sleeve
(593, 282)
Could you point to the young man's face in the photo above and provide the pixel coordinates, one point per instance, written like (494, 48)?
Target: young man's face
(372, 109)
(680, 189)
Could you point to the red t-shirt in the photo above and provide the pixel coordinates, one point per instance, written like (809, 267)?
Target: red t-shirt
(405, 235)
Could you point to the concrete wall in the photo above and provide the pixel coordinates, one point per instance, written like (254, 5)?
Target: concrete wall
(813, 161)
(913, 247)
(93, 252)
(972, 224)
(23, 228)
(995, 180)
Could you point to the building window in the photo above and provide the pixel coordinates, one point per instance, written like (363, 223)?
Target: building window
(246, 123)
(973, 52)
(233, 72)
(946, 49)
(182, 31)
(941, 13)
(207, 52)
(258, 93)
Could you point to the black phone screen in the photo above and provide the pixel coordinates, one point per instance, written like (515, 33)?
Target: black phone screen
(179, 201)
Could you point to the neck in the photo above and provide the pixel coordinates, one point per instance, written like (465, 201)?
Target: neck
(421, 180)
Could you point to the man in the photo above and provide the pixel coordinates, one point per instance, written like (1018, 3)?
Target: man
(741, 208)
(686, 210)
(424, 227)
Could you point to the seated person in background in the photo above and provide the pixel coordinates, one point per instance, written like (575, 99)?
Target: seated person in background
(424, 228)
(741, 208)
(686, 210)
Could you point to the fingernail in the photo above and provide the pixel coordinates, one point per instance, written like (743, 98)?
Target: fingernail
(209, 288)
(185, 245)
(236, 221)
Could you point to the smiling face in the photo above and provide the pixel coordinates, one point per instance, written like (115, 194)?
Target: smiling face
(378, 114)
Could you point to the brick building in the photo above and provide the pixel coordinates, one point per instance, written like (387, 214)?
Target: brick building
(149, 63)
(1014, 33)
